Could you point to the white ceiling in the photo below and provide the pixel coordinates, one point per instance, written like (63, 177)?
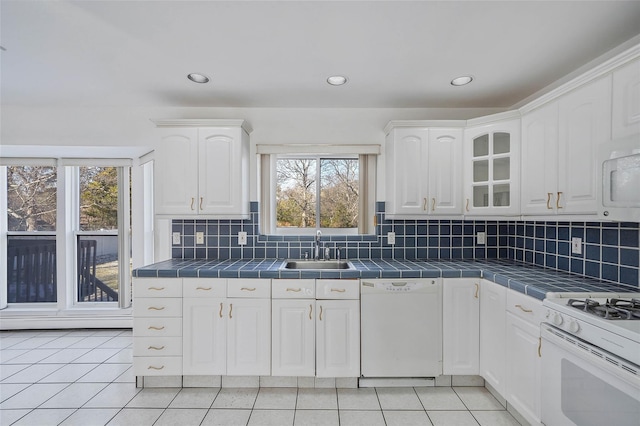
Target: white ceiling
(396, 54)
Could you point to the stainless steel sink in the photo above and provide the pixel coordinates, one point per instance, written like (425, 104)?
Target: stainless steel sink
(316, 264)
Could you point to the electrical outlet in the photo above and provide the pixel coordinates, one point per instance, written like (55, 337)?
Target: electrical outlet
(391, 238)
(576, 245)
(242, 238)
(481, 238)
(199, 237)
(175, 237)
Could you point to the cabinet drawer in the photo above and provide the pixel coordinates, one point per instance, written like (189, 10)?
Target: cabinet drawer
(525, 307)
(157, 287)
(157, 346)
(157, 307)
(337, 289)
(204, 287)
(293, 289)
(160, 327)
(253, 288)
(157, 366)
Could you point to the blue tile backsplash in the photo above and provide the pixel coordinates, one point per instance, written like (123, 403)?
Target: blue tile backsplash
(610, 251)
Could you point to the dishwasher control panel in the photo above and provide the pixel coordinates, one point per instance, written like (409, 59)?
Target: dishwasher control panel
(396, 286)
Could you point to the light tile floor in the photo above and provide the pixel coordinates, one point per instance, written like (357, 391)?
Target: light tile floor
(85, 377)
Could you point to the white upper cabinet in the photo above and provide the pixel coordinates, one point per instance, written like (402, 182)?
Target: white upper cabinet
(422, 171)
(626, 100)
(202, 169)
(559, 151)
(491, 161)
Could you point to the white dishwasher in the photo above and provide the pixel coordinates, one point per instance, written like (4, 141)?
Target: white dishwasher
(401, 328)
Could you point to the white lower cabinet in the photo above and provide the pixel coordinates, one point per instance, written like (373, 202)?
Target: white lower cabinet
(338, 338)
(293, 341)
(461, 331)
(492, 334)
(249, 337)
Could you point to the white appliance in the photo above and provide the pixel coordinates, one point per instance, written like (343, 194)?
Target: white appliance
(401, 328)
(619, 197)
(591, 361)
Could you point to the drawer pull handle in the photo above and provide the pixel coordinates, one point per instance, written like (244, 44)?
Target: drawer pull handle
(338, 290)
(204, 288)
(154, 308)
(548, 200)
(152, 367)
(230, 310)
(156, 288)
(155, 348)
(558, 200)
(477, 289)
(320, 312)
(153, 327)
(310, 310)
(524, 309)
(220, 310)
(248, 289)
(296, 290)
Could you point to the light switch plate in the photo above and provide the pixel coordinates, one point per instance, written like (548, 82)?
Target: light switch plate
(242, 238)
(199, 237)
(391, 238)
(175, 237)
(481, 238)
(576, 245)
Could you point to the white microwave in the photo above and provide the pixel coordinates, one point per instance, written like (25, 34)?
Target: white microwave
(619, 198)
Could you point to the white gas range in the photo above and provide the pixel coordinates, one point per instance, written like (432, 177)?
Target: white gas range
(591, 359)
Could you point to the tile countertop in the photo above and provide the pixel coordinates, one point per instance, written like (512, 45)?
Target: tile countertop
(528, 279)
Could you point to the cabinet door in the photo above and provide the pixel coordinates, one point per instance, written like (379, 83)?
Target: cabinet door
(523, 367)
(492, 334)
(407, 182)
(585, 123)
(445, 183)
(175, 172)
(626, 101)
(540, 160)
(293, 341)
(249, 337)
(222, 172)
(461, 332)
(204, 336)
(492, 154)
(338, 338)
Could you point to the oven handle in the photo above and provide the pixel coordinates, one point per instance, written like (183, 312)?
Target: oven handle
(574, 346)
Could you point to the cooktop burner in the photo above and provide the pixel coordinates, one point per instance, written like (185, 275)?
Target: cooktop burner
(611, 309)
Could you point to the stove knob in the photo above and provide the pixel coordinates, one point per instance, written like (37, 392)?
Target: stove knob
(574, 326)
(557, 319)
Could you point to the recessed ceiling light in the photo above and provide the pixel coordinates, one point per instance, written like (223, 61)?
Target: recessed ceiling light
(462, 80)
(198, 78)
(337, 80)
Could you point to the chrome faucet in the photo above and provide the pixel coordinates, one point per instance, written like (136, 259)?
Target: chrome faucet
(337, 252)
(327, 253)
(316, 255)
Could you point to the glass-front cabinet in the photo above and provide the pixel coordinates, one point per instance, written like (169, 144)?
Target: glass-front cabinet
(491, 169)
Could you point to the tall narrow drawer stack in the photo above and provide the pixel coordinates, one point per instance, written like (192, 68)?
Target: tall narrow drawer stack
(157, 339)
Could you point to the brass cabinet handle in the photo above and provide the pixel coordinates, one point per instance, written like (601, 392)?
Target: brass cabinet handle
(467, 206)
(477, 290)
(424, 204)
(201, 199)
(548, 200)
(558, 200)
(248, 289)
(204, 288)
(338, 290)
(152, 327)
(539, 347)
(155, 348)
(156, 288)
(295, 290)
(310, 310)
(320, 312)
(220, 310)
(153, 308)
(230, 310)
(152, 367)
(192, 201)
(524, 309)
(433, 204)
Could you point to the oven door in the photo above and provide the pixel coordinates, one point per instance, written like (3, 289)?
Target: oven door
(585, 386)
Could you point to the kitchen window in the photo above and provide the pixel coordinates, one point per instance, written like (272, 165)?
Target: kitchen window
(305, 188)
